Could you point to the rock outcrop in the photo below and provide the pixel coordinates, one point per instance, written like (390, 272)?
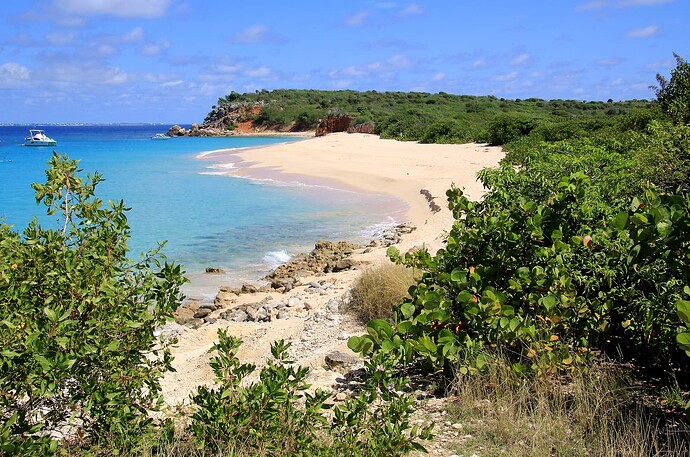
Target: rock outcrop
(366, 127)
(326, 257)
(333, 123)
(228, 116)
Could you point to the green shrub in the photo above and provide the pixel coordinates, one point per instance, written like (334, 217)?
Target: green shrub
(549, 278)
(79, 358)
(277, 415)
(506, 128)
(674, 95)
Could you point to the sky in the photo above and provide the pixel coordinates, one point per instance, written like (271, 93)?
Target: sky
(168, 61)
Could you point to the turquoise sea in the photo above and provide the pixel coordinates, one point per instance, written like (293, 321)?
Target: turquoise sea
(246, 227)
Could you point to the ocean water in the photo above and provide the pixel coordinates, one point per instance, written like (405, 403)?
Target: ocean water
(246, 227)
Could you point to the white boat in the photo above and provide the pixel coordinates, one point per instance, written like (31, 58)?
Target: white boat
(160, 136)
(38, 138)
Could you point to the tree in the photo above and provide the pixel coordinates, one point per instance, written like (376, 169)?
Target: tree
(674, 95)
(80, 359)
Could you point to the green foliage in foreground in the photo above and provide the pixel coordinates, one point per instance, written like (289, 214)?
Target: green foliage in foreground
(549, 280)
(79, 359)
(277, 416)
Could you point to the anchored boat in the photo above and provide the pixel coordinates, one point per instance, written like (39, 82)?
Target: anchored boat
(38, 138)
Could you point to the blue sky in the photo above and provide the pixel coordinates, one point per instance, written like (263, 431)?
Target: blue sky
(170, 60)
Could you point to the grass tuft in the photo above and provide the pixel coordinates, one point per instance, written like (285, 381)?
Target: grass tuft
(378, 290)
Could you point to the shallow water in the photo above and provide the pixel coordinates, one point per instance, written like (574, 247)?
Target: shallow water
(243, 226)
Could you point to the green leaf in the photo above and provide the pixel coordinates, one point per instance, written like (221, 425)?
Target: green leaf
(52, 315)
(683, 340)
(393, 253)
(458, 275)
(620, 221)
(9, 354)
(44, 362)
(683, 310)
(407, 309)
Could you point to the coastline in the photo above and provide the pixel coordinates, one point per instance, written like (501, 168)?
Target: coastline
(311, 319)
(367, 163)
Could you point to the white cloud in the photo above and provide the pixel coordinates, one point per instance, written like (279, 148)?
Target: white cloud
(512, 76)
(610, 62)
(154, 49)
(399, 62)
(135, 35)
(175, 83)
(357, 19)
(68, 73)
(643, 32)
(602, 4)
(477, 64)
(643, 2)
(411, 10)
(520, 60)
(438, 77)
(261, 72)
(102, 50)
(253, 34)
(115, 8)
(354, 71)
(60, 39)
(13, 75)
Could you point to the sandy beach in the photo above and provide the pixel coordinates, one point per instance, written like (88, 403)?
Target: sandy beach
(367, 163)
(312, 320)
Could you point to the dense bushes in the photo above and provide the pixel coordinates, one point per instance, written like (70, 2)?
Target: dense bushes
(442, 117)
(79, 359)
(549, 280)
(277, 416)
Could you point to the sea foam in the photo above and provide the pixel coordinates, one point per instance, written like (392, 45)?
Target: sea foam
(276, 258)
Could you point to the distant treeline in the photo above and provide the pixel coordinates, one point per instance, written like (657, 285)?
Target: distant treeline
(446, 118)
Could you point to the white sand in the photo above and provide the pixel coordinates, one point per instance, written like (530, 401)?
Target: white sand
(352, 161)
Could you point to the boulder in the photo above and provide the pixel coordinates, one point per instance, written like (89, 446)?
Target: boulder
(176, 130)
(248, 289)
(338, 360)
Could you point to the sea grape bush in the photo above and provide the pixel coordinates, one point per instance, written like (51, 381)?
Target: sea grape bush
(550, 279)
(277, 415)
(80, 361)
(674, 95)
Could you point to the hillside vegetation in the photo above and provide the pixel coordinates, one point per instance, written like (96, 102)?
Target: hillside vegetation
(433, 118)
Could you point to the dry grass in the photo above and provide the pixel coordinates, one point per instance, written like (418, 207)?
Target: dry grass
(593, 414)
(378, 290)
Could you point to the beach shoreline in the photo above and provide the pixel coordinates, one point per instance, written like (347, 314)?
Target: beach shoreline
(413, 173)
(309, 314)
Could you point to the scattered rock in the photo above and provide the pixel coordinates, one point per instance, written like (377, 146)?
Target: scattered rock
(201, 313)
(248, 289)
(338, 361)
